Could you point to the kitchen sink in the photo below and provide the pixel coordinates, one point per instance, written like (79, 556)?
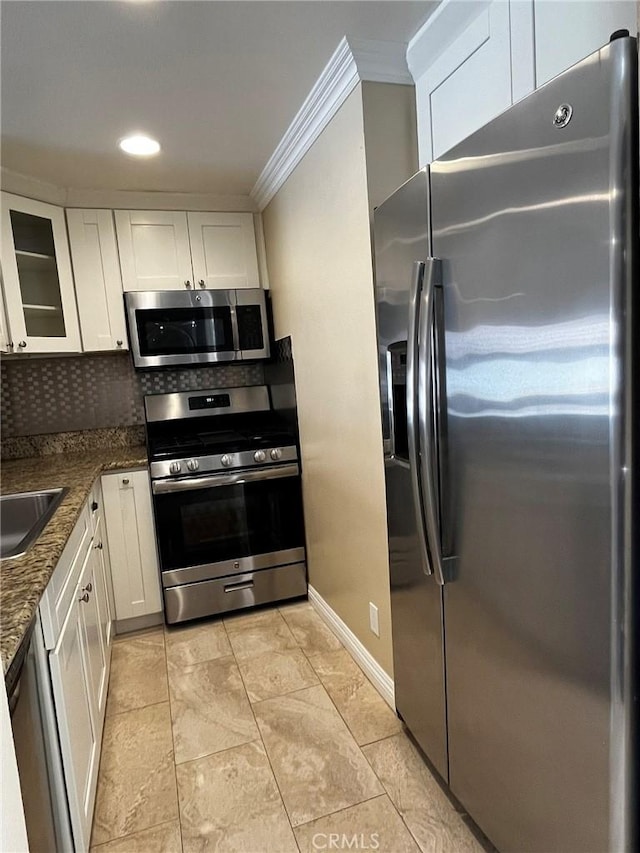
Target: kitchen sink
(23, 518)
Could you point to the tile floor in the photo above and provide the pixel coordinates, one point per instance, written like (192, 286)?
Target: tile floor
(259, 734)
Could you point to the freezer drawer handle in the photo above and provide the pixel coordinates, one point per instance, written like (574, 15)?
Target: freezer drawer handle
(236, 587)
(412, 424)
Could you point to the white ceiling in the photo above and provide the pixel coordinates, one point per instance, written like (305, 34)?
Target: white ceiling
(217, 83)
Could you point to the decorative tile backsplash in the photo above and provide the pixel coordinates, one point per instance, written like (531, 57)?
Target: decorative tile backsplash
(47, 395)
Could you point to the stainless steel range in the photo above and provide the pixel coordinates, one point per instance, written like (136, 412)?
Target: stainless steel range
(227, 501)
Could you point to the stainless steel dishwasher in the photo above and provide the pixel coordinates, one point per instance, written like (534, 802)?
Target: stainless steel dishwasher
(36, 745)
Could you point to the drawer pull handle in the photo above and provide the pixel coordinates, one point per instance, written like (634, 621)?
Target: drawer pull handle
(236, 587)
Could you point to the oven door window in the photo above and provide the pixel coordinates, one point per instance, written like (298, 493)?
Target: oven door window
(212, 524)
(182, 331)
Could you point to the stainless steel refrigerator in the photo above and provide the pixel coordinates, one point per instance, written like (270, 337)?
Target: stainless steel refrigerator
(506, 291)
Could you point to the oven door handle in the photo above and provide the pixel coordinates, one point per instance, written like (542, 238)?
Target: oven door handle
(191, 484)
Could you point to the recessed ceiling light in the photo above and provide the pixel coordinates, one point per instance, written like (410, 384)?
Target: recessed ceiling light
(139, 145)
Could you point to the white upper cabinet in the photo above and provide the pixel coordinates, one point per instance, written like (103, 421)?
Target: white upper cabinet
(468, 84)
(223, 250)
(5, 339)
(38, 283)
(473, 59)
(164, 250)
(94, 253)
(154, 249)
(568, 30)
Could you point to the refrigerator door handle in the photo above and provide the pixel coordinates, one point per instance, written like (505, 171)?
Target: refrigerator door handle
(412, 420)
(430, 449)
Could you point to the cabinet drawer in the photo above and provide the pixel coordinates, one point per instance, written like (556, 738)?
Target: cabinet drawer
(234, 592)
(58, 596)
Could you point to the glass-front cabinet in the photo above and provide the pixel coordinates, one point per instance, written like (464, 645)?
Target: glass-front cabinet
(38, 287)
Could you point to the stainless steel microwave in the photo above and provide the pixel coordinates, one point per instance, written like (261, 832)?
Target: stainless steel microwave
(178, 327)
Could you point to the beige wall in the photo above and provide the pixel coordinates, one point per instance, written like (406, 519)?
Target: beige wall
(319, 257)
(390, 134)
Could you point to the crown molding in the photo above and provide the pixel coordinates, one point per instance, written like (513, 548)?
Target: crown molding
(29, 187)
(157, 200)
(355, 60)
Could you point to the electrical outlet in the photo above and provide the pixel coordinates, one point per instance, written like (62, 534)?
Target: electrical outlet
(373, 619)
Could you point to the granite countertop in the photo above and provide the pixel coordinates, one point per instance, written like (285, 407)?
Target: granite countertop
(23, 579)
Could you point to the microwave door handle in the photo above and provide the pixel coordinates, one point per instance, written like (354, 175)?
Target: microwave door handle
(235, 332)
(412, 420)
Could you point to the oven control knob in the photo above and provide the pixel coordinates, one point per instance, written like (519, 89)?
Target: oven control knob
(193, 464)
(175, 467)
(259, 455)
(226, 460)
(275, 454)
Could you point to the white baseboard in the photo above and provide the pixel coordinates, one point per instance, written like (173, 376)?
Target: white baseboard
(380, 679)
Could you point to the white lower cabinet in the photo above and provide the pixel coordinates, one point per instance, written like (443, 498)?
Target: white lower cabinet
(102, 571)
(93, 601)
(78, 738)
(132, 544)
(76, 617)
(78, 675)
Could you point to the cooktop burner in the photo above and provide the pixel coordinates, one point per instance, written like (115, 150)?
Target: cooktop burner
(217, 441)
(190, 433)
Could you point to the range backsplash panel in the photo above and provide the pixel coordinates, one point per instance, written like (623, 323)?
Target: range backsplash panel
(47, 395)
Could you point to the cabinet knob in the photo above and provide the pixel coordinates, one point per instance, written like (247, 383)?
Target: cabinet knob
(87, 588)
(99, 546)
(94, 506)
(22, 344)
(125, 481)
(187, 283)
(201, 283)
(84, 597)
(118, 343)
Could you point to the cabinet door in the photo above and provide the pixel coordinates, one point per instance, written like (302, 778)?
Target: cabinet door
(223, 249)
(132, 544)
(467, 85)
(38, 284)
(566, 31)
(96, 268)
(92, 619)
(154, 249)
(79, 742)
(102, 570)
(5, 337)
